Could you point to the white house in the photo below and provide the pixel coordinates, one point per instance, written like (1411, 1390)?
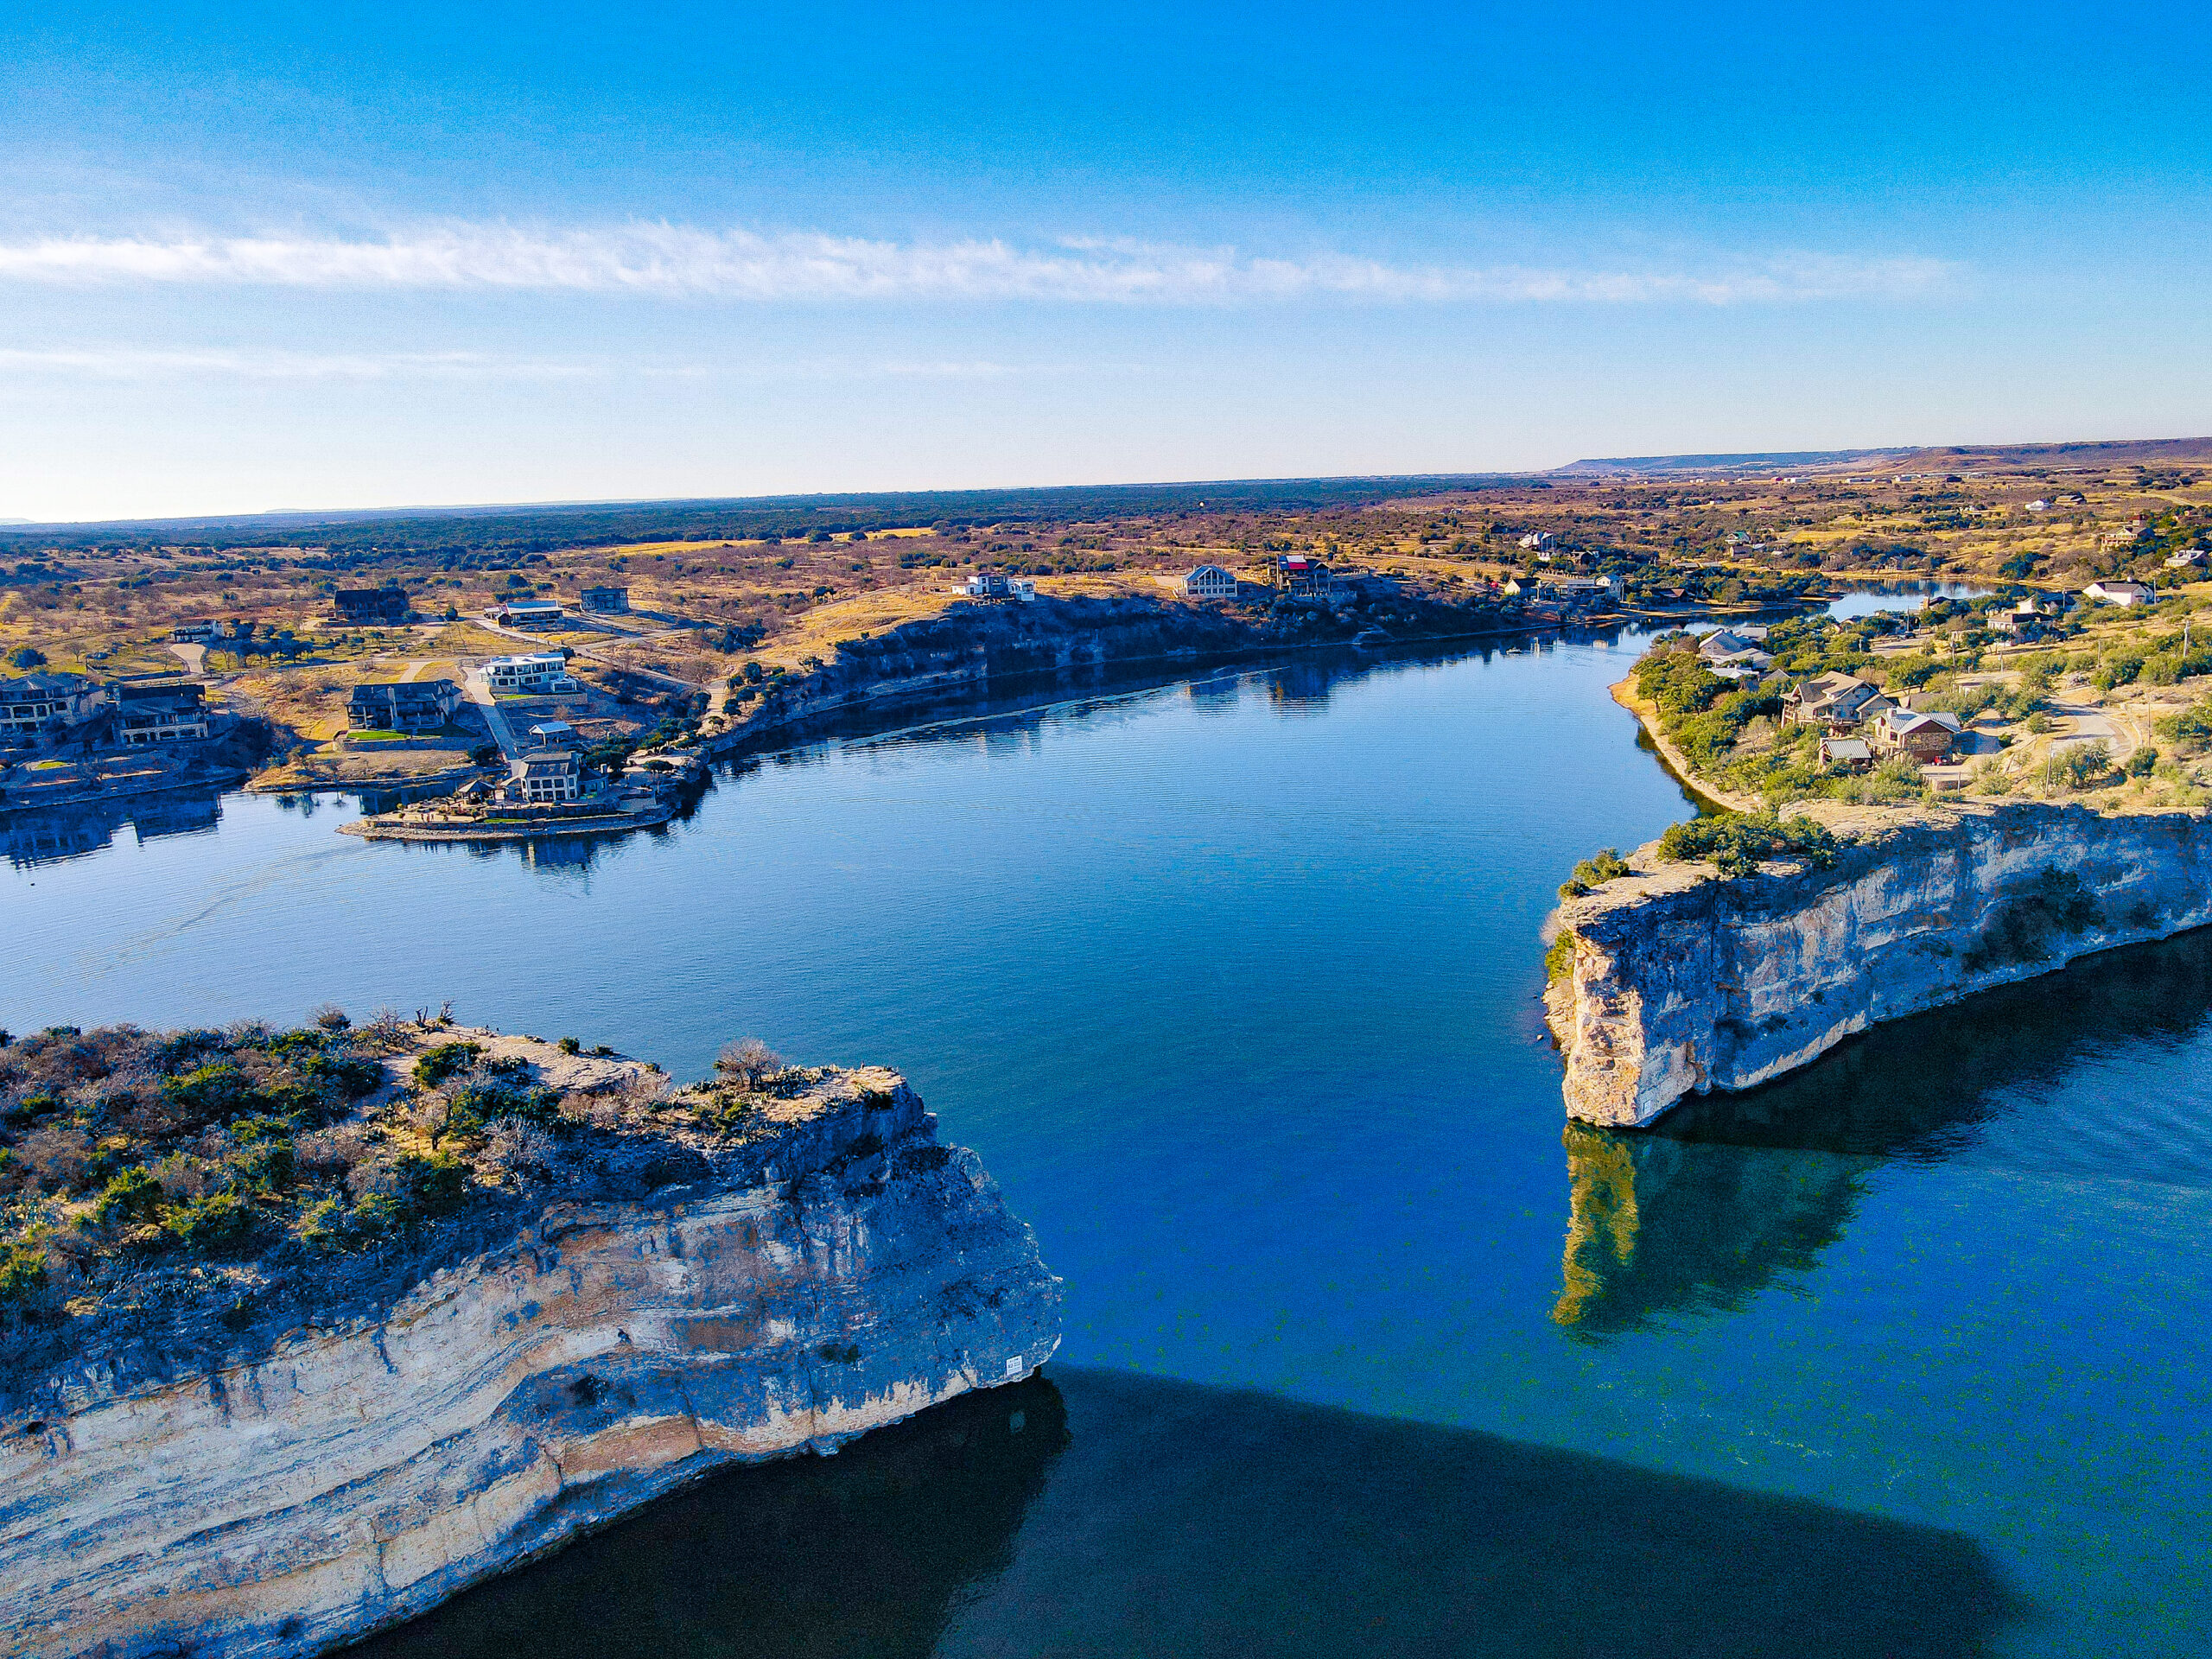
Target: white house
(526, 612)
(2190, 558)
(540, 673)
(2121, 592)
(1210, 582)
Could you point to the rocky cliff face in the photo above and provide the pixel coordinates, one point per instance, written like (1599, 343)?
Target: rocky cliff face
(971, 646)
(1683, 982)
(222, 1488)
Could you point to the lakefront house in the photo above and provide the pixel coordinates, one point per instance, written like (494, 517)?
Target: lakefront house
(405, 706)
(44, 702)
(1210, 582)
(170, 713)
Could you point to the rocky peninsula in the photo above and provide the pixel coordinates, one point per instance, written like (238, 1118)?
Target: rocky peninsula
(1671, 978)
(303, 1332)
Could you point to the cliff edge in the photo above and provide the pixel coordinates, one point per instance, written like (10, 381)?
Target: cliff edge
(275, 1446)
(1673, 980)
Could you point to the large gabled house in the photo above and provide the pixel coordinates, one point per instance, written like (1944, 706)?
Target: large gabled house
(161, 713)
(404, 706)
(44, 702)
(546, 777)
(2121, 592)
(359, 605)
(1833, 702)
(1927, 739)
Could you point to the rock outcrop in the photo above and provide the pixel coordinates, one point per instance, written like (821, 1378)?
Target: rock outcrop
(280, 1480)
(1680, 981)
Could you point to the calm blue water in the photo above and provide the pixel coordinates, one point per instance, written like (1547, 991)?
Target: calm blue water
(1234, 986)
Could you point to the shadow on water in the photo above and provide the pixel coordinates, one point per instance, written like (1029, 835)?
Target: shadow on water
(1102, 1512)
(1729, 1192)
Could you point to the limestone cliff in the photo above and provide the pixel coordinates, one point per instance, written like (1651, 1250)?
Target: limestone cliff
(280, 1480)
(970, 647)
(1681, 982)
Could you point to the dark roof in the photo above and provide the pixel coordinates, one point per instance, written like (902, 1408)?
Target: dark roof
(174, 691)
(398, 691)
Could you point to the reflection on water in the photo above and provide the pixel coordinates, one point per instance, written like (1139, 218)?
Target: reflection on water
(43, 836)
(1105, 1512)
(1731, 1192)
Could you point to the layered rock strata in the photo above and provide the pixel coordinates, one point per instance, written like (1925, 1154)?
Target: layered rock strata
(250, 1491)
(1681, 982)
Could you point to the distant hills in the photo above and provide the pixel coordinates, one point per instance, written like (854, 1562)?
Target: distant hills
(2118, 452)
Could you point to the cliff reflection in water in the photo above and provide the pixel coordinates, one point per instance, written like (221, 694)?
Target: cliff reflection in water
(1730, 1194)
(1104, 1512)
(43, 836)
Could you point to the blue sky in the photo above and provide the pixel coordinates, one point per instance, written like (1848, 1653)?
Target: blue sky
(257, 256)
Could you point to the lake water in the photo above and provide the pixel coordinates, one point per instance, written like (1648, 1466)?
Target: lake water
(1234, 986)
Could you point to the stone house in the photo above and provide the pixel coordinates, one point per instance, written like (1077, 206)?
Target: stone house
(173, 713)
(406, 705)
(543, 778)
(1926, 740)
(604, 601)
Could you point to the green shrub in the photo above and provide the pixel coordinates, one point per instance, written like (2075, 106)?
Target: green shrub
(209, 1222)
(22, 1268)
(132, 1192)
(1603, 866)
(446, 1060)
(1559, 958)
(1736, 844)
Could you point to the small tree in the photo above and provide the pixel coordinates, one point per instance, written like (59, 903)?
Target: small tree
(25, 657)
(750, 1062)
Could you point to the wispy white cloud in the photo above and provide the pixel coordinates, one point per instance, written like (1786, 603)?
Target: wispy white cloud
(135, 363)
(141, 363)
(747, 265)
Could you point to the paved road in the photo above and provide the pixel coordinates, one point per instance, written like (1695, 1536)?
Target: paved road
(2093, 726)
(480, 693)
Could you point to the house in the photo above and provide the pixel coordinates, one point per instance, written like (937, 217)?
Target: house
(367, 604)
(191, 633)
(1835, 701)
(525, 612)
(1297, 574)
(2121, 592)
(1538, 541)
(2190, 558)
(45, 703)
(1722, 643)
(531, 676)
(1925, 739)
(173, 712)
(1750, 664)
(1210, 582)
(547, 777)
(2038, 506)
(604, 601)
(1586, 590)
(988, 584)
(2023, 621)
(407, 706)
(1852, 754)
